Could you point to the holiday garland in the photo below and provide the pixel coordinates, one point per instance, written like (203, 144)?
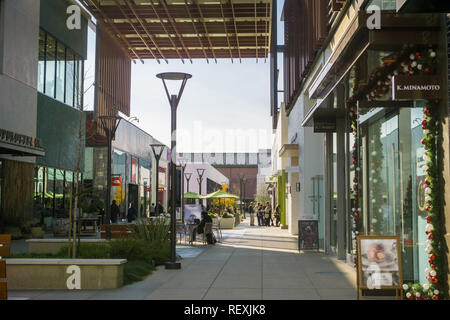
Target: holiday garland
(410, 61)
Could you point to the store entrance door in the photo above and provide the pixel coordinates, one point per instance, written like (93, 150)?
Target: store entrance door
(393, 187)
(133, 196)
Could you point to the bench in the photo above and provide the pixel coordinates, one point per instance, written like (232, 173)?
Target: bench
(5, 249)
(117, 231)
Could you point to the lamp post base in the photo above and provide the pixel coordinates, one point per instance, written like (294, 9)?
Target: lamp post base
(173, 265)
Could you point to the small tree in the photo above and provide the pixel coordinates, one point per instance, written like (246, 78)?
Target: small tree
(262, 196)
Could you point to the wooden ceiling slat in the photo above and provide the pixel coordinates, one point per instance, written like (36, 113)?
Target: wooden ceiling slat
(196, 30)
(136, 31)
(167, 32)
(107, 22)
(146, 29)
(206, 29)
(169, 16)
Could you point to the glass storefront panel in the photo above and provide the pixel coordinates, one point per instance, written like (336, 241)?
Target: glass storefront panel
(70, 76)
(395, 184)
(41, 63)
(119, 170)
(60, 71)
(50, 66)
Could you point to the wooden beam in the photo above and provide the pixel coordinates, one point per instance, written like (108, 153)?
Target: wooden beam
(166, 31)
(235, 30)
(147, 31)
(256, 34)
(196, 31)
(172, 22)
(134, 28)
(5, 251)
(5, 239)
(266, 50)
(226, 30)
(2, 269)
(118, 34)
(206, 29)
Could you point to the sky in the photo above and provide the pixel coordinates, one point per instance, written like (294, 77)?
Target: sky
(225, 107)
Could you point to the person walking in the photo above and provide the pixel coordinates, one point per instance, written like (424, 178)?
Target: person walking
(260, 215)
(277, 215)
(267, 214)
(132, 213)
(252, 213)
(115, 212)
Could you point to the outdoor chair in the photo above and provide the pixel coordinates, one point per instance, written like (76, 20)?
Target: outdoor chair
(181, 230)
(207, 230)
(216, 227)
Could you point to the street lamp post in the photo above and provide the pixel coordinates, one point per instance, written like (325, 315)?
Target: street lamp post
(157, 152)
(174, 100)
(241, 180)
(200, 173)
(109, 124)
(183, 164)
(188, 176)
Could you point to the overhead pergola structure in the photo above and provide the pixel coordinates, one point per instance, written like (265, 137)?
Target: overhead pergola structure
(187, 29)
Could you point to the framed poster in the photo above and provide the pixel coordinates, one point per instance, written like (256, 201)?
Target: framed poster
(379, 263)
(308, 235)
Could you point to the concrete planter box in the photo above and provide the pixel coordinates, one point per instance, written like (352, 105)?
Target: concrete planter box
(227, 223)
(53, 245)
(51, 274)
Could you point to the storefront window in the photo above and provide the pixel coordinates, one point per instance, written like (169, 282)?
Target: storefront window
(384, 4)
(41, 63)
(60, 71)
(70, 76)
(50, 66)
(395, 185)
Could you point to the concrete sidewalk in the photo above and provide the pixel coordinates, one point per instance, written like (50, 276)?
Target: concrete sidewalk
(252, 263)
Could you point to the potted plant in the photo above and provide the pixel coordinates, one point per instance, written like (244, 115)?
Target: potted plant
(38, 231)
(227, 221)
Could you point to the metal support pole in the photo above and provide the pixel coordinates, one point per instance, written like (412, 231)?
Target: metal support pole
(108, 186)
(157, 188)
(173, 259)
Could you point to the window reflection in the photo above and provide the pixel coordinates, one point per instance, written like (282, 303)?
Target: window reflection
(41, 64)
(60, 71)
(50, 66)
(70, 75)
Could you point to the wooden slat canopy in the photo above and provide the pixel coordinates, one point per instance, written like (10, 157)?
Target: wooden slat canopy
(187, 29)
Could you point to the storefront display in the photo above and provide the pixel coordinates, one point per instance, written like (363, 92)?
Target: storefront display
(397, 169)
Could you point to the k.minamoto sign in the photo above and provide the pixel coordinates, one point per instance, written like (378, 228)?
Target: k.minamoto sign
(416, 88)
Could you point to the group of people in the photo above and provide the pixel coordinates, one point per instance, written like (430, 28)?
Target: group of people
(264, 213)
(132, 213)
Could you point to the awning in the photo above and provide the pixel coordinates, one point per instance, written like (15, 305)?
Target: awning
(289, 151)
(187, 29)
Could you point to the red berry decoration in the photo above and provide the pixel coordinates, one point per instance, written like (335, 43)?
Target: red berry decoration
(427, 182)
(432, 266)
(428, 219)
(428, 208)
(427, 70)
(434, 280)
(430, 236)
(435, 297)
(432, 257)
(423, 141)
(427, 111)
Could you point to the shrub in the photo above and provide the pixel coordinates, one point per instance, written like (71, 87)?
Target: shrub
(135, 271)
(88, 251)
(155, 230)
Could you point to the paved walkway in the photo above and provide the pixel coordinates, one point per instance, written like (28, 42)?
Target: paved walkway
(252, 263)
